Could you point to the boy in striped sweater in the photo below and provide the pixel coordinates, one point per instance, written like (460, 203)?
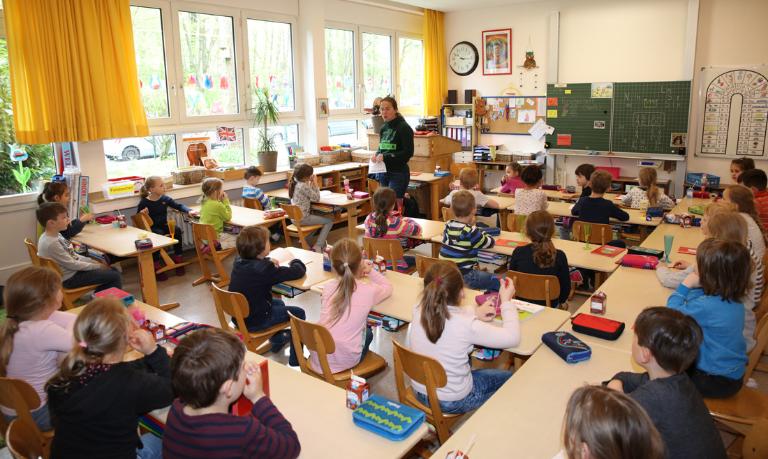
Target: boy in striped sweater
(209, 373)
(462, 240)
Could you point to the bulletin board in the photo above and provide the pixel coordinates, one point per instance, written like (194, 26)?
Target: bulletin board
(512, 114)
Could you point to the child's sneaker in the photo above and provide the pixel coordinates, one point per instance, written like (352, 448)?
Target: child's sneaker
(180, 271)
(160, 276)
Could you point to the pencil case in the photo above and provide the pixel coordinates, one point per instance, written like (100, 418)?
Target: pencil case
(637, 250)
(640, 261)
(654, 212)
(384, 417)
(550, 187)
(491, 231)
(599, 327)
(567, 346)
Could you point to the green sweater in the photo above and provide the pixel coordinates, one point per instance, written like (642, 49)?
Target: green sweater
(396, 144)
(215, 213)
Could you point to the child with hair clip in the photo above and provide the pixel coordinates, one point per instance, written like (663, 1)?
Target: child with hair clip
(215, 211)
(346, 302)
(385, 223)
(511, 180)
(739, 166)
(34, 335)
(96, 397)
(531, 198)
(604, 424)
(155, 203)
(712, 295)
(303, 191)
(59, 192)
(744, 200)
(648, 194)
(540, 256)
(445, 331)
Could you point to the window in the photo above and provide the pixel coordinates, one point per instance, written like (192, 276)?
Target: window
(271, 60)
(346, 132)
(226, 152)
(142, 156)
(283, 137)
(39, 164)
(340, 68)
(411, 66)
(150, 60)
(208, 64)
(377, 67)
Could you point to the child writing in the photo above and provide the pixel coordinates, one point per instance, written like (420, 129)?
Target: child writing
(385, 223)
(76, 271)
(209, 373)
(35, 335)
(540, 256)
(445, 331)
(604, 424)
(648, 193)
(96, 397)
(303, 192)
(665, 345)
(757, 181)
(462, 241)
(215, 210)
(252, 176)
(59, 192)
(468, 182)
(254, 274)
(739, 166)
(155, 203)
(530, 199)
(511, 180)
(745, 202)
(594, 208)
(346, 302)
(711, 295)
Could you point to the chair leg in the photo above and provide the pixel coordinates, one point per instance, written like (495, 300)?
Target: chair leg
(222, 273)
(303, 241)
(206, 271)
(285, 233)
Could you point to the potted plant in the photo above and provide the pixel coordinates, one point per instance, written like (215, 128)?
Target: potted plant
(265, 112)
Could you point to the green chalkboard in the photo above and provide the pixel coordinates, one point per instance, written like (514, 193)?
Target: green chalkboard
(646, 115)
(581, 122)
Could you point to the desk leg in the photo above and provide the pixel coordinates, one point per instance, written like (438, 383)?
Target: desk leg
(436, 249)
(285, 233)
(434, 201)
(352, 222)
(149, 282)
(503, 219)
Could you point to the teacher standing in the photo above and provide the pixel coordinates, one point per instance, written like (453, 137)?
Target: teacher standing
(395, 148)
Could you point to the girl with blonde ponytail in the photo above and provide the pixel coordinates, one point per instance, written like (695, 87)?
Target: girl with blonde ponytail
(385, 223)
(447, 332)
(648, 191)
(34, 336)
(346, 302)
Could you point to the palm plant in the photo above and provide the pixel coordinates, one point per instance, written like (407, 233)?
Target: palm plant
(265, 112)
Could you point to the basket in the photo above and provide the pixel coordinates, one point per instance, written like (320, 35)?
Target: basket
(312, 160)
(362, 156)
(329, 157)
(694, 179)
(188, 175)
(226, 174)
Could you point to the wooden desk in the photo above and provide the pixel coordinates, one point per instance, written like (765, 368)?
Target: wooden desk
(636, 216)
(315, 273)
(120, 243)
(558, 195)
(429, 229)
(683, 204)
(351, 206)
(438, 187)
(683, 237)
(243, 216)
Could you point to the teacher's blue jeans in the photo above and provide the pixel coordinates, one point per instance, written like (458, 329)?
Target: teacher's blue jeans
(398, 181)
(485, 383)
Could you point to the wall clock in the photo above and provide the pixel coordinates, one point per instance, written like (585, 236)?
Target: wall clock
(463, 58)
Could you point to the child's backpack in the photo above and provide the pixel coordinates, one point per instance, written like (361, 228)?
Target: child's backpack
(411, 207)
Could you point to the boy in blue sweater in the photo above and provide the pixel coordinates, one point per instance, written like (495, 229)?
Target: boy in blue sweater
(710, 294)
(251, 190)
(595, 208)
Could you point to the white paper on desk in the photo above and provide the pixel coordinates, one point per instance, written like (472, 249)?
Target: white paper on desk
(376, 168)
(540, 129)
(325, 193)
(285, 256)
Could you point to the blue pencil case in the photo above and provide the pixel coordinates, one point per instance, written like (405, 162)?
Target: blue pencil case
(384, 417)
(491, 231)
(567, 346)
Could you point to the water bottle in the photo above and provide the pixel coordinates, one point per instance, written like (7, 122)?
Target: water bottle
(437, 169)
(689, 192)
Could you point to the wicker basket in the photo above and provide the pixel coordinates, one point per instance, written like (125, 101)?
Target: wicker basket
(329, 157)
(188, 175)
(312, 160)
(345, 155)
(504, 157)
(362, 156)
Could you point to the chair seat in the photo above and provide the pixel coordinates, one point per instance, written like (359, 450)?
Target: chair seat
(371, 364)
(80, 290)
(307, 228)
(451, 418)
(746, 407)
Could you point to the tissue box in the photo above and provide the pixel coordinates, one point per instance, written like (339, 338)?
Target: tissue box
(360, 195)
(121, 295)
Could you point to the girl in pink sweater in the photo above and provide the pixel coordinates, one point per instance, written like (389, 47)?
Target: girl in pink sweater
(346, 303)
(35, 336)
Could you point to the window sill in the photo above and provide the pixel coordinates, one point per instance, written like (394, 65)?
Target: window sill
(14, 202)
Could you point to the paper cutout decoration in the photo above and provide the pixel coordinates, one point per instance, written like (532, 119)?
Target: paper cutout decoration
(141, 84)
(552, 101)
(224, 82)
(18, 153)
(564, 140)
(552, 113)
(208, 82)
(530, 60)
(192, 80)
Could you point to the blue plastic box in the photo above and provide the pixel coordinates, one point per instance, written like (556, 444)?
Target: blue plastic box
(694, 178)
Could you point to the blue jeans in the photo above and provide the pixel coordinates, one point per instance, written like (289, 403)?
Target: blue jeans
(105, 278)
(398, 181)
(482, 280)
(280, 314)
(367, 342)
(485, 383)
(41, 416)
(152, 447)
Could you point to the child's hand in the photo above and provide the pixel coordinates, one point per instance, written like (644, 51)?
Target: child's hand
(692, 280)
(142, 341)
(275, 262)
(253, 389)
(366, 266)
(194, 213)
(486, 311)
(145, 211)
(222, 195)
(88, 217)
(507, 290)
(616, 385)
(680, 264)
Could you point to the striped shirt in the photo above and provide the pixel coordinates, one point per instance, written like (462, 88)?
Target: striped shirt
(761, 202)
(398, 227)
(462, 242)
(264, 434)
(256, 193)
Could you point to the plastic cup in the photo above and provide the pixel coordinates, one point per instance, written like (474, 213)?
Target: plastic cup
(668, 240)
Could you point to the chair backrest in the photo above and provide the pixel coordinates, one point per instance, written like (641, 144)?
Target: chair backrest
(447, 213)
(755, 444)
(390, 249)
(233, 304)
(317, 339)
(761, 343)
(142, 221)
(423, 263)
(599, 233)
(24, 442)
(457, 167)
(203, 234)
(516, 222)
(50, 264)
(535, 287)
(32, 250)
(373, 185)
(294, 213)
(252, 203)
(19, 396)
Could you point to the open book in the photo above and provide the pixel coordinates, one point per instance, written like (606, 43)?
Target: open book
(285, 256)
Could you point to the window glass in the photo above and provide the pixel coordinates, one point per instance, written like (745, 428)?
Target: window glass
(271, 60)
(411, 67)
(377, 67)
(142, 156)
(150, 60)
(284, 136)
(340, 68)
(215, 144)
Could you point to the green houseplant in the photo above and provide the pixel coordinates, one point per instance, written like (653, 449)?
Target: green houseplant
(265, 112)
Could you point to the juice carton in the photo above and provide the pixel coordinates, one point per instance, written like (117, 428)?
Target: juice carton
(598, 302)
(357, 392)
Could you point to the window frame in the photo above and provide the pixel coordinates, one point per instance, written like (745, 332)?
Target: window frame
(393, 58)
(356, 67)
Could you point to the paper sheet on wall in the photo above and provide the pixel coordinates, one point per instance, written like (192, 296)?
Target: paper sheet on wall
(376, 168)
(540, 129)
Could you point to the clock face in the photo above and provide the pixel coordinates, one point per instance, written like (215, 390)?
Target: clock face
(463, 58)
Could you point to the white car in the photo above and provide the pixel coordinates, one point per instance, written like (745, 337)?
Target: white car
(130, 149)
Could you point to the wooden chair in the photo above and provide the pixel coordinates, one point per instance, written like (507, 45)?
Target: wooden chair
(373, 185)
(390, 249)
(447, 213)
(755, 444)
(423, 263)
(516, 223)
(599, 233)
(23, 443)
(235, 305)
(536, 287)
(296, 229)
(203, 236)
(70, 294)
(456, 168)
(252, 203)
(319, 340)
(144, 221)
(32, 251)
(22, 398)
(430, 373)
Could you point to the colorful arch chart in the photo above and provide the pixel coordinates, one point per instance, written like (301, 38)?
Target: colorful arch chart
(735, 118)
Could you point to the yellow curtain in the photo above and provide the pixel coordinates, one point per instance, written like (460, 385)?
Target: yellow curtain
(73, 70)
(434, 61)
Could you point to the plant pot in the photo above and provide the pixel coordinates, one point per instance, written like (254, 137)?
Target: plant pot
(267, 161)
(378, 122)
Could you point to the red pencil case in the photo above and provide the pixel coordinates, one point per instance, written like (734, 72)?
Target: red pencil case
(639, 261)
(599, 327)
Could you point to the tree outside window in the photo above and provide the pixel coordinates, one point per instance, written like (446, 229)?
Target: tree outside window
(270, 56)
(340, 68)
(150, 60)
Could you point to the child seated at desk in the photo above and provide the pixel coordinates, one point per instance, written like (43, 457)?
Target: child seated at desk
(209, 373)
(252, 176)
(462, 240)
(346, 302)
(253, 275)
(531, 198)
(583, 173)
(385, 223)
(303, 191)
(648, 194)
(594, 208)
(96, 397)
(757, 181)
(468, 182)
(739, 166)
(665, 345)
(711, 295)
(742, 197)
(59, 192)
(76, 271)
(447, 332)
(216, 211)
(511, 180)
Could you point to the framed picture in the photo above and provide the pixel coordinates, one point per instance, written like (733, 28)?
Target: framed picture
(497, 52)
(322, 107)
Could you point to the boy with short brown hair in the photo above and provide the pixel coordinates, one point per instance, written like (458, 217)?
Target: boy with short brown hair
(467, 182)
(595, 208)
